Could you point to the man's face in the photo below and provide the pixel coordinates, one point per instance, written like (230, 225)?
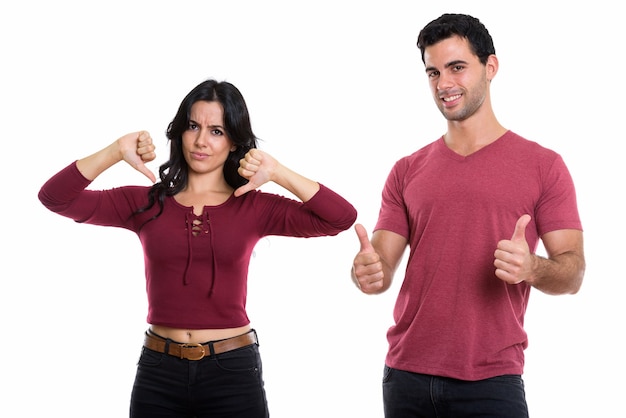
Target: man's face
(457, 78)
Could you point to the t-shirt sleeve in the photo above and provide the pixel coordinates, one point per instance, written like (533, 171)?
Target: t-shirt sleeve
(557, 208)
(392, 215)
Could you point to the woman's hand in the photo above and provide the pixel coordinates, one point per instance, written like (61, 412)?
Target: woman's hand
(136, 149)
(258, 167)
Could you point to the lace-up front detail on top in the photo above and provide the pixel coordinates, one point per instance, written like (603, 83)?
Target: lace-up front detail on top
(199, 227)
(197, 224)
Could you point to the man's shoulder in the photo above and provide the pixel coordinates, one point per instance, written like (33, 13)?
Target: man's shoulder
(422, 151)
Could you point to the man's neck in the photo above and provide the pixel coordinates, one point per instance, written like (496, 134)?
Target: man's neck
(468, 136)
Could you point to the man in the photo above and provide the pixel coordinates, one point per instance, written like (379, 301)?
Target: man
(471, 206)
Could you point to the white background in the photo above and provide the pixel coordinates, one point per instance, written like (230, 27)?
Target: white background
(336, 91)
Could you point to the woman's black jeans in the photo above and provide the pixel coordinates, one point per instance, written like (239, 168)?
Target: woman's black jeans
(224, 385)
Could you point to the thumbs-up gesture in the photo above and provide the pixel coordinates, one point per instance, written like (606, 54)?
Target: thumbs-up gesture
(513, 260)
(367, 268)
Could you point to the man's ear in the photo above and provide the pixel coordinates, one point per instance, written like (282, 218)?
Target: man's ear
(491, 66)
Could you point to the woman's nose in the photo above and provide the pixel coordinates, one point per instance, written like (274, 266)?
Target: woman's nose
(202, 138)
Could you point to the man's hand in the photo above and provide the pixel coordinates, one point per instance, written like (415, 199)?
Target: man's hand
(513, 260)
(367, 268)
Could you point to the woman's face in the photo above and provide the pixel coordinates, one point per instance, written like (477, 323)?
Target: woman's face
(205, 143)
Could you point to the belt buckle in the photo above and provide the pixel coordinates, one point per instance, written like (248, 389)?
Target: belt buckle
(192, 345)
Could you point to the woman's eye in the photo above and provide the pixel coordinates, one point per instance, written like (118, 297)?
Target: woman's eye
(216, 132)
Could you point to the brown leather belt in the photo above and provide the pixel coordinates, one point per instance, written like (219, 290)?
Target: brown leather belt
(196, 351)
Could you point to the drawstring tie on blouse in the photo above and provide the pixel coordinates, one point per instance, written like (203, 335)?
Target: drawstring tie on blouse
(196, 226)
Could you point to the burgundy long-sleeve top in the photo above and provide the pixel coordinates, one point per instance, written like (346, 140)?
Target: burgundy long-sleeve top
(197, 266)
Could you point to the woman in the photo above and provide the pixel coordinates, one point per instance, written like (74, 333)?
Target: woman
(198, 227)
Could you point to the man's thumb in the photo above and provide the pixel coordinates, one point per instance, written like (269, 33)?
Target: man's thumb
(520, 228)
(366, 245)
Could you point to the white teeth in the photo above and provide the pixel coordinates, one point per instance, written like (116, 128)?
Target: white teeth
(449, 99)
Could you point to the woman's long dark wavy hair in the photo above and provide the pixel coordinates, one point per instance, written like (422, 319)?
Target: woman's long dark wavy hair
(173, 173)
